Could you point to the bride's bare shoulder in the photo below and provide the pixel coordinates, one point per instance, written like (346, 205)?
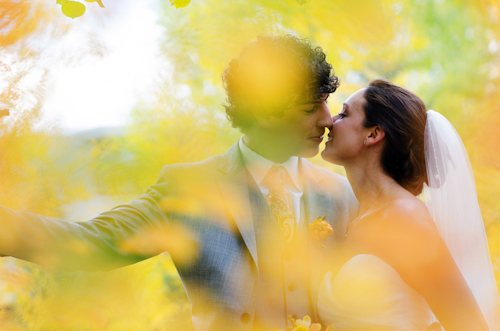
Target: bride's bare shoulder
(407, 213)
(409, 237)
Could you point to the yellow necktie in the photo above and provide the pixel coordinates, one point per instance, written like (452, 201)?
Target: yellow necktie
(280, 202)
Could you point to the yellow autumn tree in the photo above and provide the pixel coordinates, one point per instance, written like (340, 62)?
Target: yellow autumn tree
(43, 172)
(453, 64)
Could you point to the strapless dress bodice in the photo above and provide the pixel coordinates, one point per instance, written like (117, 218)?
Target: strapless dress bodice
(367, 294)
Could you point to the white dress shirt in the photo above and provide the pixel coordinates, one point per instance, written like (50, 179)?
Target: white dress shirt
(258, 166)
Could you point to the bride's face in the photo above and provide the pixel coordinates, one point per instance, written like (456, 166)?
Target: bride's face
(347, 133)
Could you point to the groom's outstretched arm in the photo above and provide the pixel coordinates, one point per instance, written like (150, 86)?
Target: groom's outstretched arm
(101, 243)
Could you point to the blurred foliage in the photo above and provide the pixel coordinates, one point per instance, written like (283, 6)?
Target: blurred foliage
(180, 3)
(446, 51)
(142, 297)
(74, 9)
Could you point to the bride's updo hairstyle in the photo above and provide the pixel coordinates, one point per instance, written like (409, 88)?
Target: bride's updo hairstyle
(402, 115)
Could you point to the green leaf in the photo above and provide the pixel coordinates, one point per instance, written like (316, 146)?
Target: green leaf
(180, 3)
(73, 9)
(98, 1)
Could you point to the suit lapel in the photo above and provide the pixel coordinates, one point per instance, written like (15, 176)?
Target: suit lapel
(233, 185)
(317, 197)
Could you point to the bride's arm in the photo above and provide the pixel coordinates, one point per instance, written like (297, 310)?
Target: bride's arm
(410, 242)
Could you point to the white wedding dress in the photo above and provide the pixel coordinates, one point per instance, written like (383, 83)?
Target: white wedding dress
(367, 294)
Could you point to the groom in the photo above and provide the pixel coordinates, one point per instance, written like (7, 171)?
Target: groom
(254, 260)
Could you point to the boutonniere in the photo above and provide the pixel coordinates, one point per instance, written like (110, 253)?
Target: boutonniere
(319, 230)
(304, 325)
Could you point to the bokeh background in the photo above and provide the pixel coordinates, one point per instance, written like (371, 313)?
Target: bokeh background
(446, 51)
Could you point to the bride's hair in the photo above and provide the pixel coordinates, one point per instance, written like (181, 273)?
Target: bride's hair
(402, 115)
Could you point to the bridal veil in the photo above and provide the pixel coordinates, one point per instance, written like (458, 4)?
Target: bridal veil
(451, 198)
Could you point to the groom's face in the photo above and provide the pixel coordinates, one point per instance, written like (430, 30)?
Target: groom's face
(301, 128)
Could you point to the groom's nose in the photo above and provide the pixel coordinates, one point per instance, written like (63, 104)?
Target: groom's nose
(325, 117)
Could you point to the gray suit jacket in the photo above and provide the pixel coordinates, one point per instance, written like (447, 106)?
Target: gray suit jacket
(221, 280)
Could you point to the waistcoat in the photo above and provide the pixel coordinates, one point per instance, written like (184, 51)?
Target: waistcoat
(283, 282)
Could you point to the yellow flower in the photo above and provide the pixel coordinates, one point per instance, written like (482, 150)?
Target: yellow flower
(304, 322)
(319, 229)
(315, 327)
(304, 325)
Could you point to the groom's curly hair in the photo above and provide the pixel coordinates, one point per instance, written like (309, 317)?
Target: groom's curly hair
(402, 115)
(272, 74)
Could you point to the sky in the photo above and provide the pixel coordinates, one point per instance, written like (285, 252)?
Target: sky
(101, 90)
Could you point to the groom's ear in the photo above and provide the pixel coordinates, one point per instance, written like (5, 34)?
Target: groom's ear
(263, 121)
(267, 120)
(375, 135)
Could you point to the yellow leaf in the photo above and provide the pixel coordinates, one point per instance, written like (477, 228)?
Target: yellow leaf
(98, 1)
(180, 3)
(62, 2)
(73, 9)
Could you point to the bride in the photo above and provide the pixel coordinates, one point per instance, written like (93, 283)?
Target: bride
(406, 265)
